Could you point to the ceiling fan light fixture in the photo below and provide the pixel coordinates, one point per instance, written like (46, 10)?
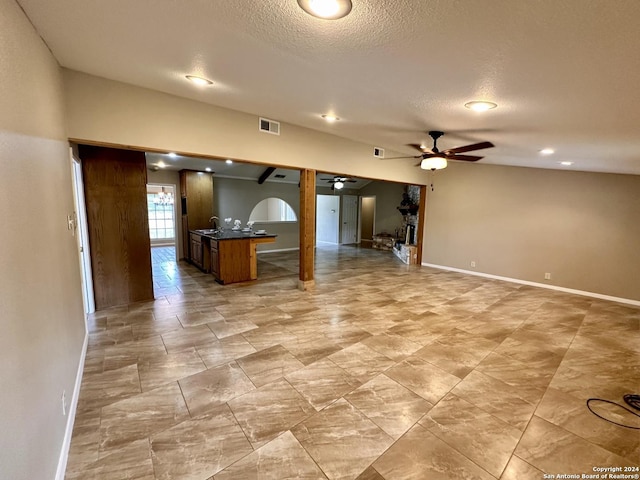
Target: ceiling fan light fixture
(326, 9)
(330, 118)
(200, 81)
(433, 163)
(338, 185)
(480, 105)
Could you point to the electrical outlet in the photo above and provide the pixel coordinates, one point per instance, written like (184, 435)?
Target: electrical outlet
(473, 264)
(547, 276)
(64, 403)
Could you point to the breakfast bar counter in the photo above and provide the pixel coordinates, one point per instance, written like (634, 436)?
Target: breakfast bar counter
(230, 255)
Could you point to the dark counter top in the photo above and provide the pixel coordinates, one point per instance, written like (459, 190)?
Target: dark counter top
(231, 234)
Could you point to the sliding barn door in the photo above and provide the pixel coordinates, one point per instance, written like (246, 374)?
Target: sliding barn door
(115, 183)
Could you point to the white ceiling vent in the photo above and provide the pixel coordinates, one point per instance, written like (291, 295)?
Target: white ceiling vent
(378, 152)
(269, 126)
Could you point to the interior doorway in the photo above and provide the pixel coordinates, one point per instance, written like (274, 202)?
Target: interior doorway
(367, 220)
(327, 219)
(161, 206)
(82, 236)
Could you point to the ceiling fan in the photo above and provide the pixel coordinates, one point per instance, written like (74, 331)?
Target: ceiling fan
(435, 159)
(338, 182)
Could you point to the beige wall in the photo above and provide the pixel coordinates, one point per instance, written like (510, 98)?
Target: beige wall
(388, 197)
(236, 198)
(41, 317)
(102, 110)
(583, 228)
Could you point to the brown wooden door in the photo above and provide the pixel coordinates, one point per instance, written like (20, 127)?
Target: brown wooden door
(115, 183)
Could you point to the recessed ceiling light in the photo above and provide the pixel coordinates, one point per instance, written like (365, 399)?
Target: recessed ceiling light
(480, 106)
(566, 164)
(200, 81)
(547, 151)
(172, 154)
(208, 169)
(228, 161)
(327, 9)
(330, 118)
(161, 164)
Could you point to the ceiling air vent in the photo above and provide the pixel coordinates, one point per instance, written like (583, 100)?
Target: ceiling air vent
(378, 152)
(269, 126)
(279, 176)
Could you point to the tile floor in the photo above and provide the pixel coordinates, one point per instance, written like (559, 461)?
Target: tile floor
(382, 371)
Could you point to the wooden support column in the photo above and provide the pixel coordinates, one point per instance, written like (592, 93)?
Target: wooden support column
(307, 227)
(422, 215)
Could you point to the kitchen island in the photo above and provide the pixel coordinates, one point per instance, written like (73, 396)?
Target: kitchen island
(230, 255)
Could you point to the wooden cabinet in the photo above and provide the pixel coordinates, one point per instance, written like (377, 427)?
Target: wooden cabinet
(231, 260)
(200, 251)
(215, 262)
(196, 190)
(195, 242)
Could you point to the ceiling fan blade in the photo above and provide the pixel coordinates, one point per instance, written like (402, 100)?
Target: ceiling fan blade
(400, 158)
(465, 158)
(351, 181)
(420, 148)
(469, 148)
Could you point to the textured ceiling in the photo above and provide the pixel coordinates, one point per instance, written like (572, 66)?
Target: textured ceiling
(565, 74)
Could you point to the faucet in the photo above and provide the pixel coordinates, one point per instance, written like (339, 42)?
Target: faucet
(215, 226)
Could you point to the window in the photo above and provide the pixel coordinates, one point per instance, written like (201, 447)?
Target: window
(160, 204)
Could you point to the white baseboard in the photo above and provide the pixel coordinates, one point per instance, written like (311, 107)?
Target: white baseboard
(279, 250)
(628, 301)
(71, 414)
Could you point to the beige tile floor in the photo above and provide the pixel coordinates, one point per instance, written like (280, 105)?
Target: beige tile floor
(382, 371)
